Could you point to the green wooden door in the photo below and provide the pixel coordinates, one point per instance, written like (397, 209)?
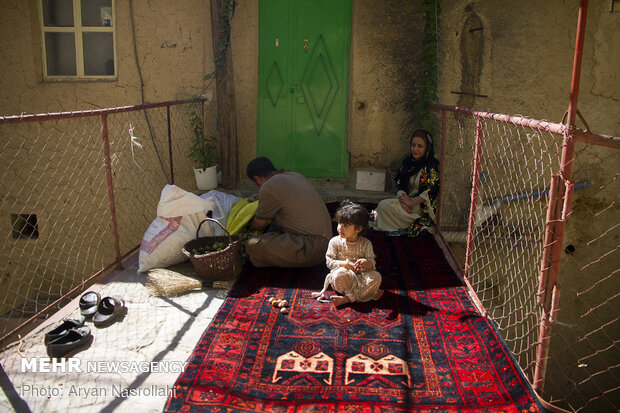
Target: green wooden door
(303, 85)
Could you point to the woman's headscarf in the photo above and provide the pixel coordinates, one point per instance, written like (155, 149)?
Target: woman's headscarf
(411, 166)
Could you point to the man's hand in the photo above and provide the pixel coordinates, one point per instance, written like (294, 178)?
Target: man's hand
(260, 224)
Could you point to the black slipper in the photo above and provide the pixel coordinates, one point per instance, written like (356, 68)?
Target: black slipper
(108, 310)
(74, 339)
(64, 328)
(88, 303)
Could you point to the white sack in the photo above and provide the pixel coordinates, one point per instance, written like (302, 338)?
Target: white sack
(177, 202)
(178, 215)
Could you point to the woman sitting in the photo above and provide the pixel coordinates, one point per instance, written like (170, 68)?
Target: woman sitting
(413, 211)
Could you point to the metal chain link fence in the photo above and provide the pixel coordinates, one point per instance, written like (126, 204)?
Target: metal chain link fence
(584, 356)
(501, 247)
(78, 191)
(504, 261)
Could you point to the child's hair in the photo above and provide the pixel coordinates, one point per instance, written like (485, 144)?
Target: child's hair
(352, 213)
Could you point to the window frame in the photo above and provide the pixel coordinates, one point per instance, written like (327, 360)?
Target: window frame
(78, 30)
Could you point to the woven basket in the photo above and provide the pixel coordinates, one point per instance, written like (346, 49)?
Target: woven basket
(217, 265)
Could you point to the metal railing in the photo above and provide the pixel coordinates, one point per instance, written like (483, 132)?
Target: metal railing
(507, 203)
(80, 189)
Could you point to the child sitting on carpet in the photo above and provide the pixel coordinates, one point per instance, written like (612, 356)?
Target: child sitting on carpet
(351, 259)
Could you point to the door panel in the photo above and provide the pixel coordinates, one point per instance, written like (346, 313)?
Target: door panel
(273, 82)
(303, 85)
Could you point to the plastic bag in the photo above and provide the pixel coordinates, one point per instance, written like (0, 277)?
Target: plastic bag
(240, 215)
(223, 203)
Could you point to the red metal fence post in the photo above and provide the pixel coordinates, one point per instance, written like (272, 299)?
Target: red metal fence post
(560, 212)
(170, 145)
(110, 186)
(474, 195)
(549, 240)
(544, 295)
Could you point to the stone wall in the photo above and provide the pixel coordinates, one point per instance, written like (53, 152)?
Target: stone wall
(174, 53)
(173, 49)
(520, 58)
(485, 50)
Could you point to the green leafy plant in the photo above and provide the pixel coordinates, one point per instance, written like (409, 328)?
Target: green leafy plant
(203, 149)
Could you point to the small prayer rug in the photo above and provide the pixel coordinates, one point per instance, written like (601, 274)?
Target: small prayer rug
(422, 347)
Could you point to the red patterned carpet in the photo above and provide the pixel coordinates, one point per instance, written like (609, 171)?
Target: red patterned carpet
(422, 347)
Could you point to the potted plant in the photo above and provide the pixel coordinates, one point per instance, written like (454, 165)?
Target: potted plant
(203, 153)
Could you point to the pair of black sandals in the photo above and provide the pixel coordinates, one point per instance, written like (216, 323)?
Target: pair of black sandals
(72, 334)
(103, 311)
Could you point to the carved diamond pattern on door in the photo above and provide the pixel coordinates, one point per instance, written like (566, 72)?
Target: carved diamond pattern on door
(274, 83)
(319, 84)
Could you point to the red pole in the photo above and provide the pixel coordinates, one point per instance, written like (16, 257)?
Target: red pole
(549, 240)
(170, 145)
(541, 125)
(94, 112)
(560, 213)
(441, 164)
(574, 87)
(110, 186)
(544, 331)
(474, 195)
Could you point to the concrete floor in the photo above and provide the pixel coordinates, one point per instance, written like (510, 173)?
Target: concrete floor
(158, 330)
